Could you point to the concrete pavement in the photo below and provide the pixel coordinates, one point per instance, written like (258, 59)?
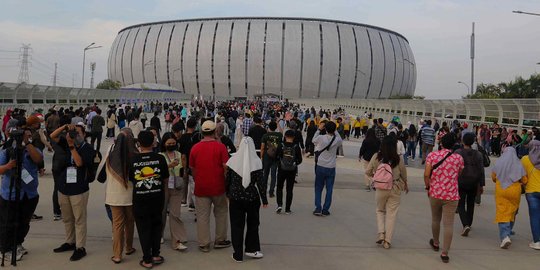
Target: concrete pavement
(344, 240)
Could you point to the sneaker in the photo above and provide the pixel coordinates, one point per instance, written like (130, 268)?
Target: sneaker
(64, 247)
(535, 245)
(191, 208)
(57, 217)
(255, 255)
(288, 212)
(317, 213)
(22, 250)
(7, 256)
(340, 156)
(222, 244)
(204, 248)
(506, 242)
(238, 261)
(325, 213)
(78, 254)
(278, 210)
(36, 217)
(368, 188)
(162, 240)
(465, 231)
(184, 205)
(180, 247)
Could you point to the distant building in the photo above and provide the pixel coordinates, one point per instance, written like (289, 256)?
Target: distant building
(239, 57)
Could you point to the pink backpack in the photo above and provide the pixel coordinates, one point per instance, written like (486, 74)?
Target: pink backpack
(383, 178)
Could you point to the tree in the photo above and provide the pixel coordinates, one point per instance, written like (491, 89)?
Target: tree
(518, 88)
(109, 84)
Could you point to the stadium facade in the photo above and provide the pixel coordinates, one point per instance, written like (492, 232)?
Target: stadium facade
(239, 57)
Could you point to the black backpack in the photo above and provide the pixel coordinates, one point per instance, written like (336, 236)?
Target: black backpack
(288, 160)
(485, 156)
(470, 176)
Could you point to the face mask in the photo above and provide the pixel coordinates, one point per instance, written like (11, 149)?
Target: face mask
(79, 140)
(170, 148)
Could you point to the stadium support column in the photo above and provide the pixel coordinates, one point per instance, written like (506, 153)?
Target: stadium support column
(472, 61)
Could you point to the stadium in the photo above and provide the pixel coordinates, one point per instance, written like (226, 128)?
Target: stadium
(243, 57)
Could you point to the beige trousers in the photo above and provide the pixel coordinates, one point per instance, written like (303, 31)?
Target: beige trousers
(387, 207)
(173, 202)
(123, 225)
(203, 205)
(74, 213)
(367, 178)
(445, 210)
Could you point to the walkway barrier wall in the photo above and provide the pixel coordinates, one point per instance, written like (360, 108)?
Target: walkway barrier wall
(522, 113)
(33, 96)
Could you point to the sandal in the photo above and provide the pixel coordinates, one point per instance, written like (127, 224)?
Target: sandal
(445, 258)
(433, 246)
(141, 263)
(115, 261)
(131, 251)
(160, 261)
(386, 245)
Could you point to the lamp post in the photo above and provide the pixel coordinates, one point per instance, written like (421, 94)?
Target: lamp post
(468, 88)
(526, 13)
(89, 47)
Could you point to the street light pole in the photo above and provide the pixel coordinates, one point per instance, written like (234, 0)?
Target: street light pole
(472, 60)
(468, 88)
(89, 47)
(526, 13)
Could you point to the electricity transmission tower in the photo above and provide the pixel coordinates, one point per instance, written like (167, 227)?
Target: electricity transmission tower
(92, 69)
(25, 55)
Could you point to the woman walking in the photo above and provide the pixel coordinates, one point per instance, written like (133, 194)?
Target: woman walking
(531, 164)
(119, 193)
(507, 174)
(370, 146)
(388, 200)
(245, 189)
(111, 123)
(441, 179)
(173, 193)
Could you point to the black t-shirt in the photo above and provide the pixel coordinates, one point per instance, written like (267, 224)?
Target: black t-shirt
(256, 133)
(87, 153)
(149, 174)
(187, 141)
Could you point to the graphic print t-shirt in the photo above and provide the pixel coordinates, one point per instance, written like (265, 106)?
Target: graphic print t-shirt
(148, 172)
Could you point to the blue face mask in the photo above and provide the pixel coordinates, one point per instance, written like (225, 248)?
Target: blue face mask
(79, 140)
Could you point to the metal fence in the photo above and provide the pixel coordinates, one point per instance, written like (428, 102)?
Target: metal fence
(32, 96)
(508, 112)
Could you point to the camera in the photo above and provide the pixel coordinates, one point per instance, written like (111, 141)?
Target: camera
(71, 133)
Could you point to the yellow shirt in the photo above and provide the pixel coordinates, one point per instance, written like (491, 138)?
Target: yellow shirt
(533, 176)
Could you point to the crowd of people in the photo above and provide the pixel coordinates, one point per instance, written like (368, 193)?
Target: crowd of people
(219, 156)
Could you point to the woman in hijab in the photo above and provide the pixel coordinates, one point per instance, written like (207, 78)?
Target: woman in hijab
(507, 174)
(119, 193)
(531, 164)
(245, 190)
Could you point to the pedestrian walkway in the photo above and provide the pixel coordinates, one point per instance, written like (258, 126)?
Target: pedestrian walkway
(343, 240)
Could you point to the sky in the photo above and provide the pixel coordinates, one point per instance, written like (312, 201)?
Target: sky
(507, 44)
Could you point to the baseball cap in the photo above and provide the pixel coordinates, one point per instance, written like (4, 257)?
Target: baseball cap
(208, 126)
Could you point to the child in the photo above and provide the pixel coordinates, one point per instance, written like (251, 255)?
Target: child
(289, 157)
(148, 171)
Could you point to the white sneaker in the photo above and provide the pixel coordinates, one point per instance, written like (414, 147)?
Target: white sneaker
(535, 245)
(506, 242)
(255, 255)
(180, 247)
(22, 250)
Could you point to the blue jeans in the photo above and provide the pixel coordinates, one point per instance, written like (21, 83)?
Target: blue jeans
(533, 199)
(487, 146)
(411, 150)
(231, 136)
(324, 177)
(269, 168)
(505, 229)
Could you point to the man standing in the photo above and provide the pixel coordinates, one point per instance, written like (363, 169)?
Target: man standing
(428, 140)
(187, 140)
(380, 130)
(97, 129)
(28, 197)
(325, 165)
(208, 163)
(256, 133)
(155, 122)
(269, 145)
(246, 124)
(73, 189)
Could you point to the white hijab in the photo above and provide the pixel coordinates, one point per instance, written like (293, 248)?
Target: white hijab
(245, 161)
